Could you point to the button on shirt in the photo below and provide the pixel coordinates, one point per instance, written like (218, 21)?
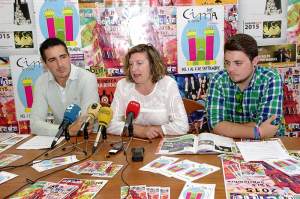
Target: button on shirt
(260, 100)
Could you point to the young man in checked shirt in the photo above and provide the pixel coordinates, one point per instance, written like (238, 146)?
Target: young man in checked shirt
(245, 100)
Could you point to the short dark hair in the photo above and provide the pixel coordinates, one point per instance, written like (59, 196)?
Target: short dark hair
(244, 43)
(157, 67)
(50, 42)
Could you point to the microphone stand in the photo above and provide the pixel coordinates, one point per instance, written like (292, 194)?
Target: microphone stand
(73, 145)
(130, 134)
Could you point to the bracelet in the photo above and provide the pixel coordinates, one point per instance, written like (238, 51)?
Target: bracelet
(257, 134)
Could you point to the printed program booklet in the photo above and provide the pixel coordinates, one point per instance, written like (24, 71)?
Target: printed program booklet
(197, 144)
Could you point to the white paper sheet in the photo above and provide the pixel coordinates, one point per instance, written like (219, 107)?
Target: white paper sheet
(264, 150)
(39, 142)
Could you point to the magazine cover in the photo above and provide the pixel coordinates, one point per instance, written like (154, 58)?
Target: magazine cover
(8, 119)
(200, 36)
(256, 180)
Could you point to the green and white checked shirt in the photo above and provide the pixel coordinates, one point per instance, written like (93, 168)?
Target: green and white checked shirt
(260, 100)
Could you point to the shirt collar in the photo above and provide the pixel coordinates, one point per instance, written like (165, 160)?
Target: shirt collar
(253, 79)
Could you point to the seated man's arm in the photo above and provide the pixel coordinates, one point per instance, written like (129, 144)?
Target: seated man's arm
(216, 113)
(271, 108)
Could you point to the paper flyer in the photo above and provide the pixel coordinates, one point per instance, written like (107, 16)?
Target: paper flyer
(86, 188)
(159, 163)
(5, 176)
(43, 165)
(6, 159)
(199, 191)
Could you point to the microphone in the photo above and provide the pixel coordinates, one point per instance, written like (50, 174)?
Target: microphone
(92, 111)
(132, 111)
(70, 115)
(104, 118)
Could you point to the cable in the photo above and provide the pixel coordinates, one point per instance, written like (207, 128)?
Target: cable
(30, 163)
(29, 181)
(127, 163)
(25, 164)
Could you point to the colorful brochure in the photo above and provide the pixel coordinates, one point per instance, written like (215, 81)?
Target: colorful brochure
(198, 191)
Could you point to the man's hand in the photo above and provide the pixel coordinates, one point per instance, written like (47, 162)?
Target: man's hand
(267, 129)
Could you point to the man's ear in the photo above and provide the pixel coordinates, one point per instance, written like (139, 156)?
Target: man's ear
(255, 61)
(44, 65)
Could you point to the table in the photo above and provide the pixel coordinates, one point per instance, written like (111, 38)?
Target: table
(132, 173)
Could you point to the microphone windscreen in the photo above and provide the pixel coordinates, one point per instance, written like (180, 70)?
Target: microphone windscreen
(93, 110)
(72, 112)
(105, 116)
(133, 107)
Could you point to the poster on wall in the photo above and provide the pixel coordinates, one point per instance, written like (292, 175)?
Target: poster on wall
(230, 20)
(277, 55)
(106, 88)
(265, 20)
(194, 87)
(200, 39)
(291, 101)
(25, 71)
(293, 22)
(90, 40)
(17, 25)
(167, 36)
(58, 18)
(107, 35)
(8, 119)
(126, 3)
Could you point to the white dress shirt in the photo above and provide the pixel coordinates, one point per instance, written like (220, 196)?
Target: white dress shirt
(81, 89)
(163, 106)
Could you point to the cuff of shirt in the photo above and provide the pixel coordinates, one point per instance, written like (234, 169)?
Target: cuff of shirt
(163, 129)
